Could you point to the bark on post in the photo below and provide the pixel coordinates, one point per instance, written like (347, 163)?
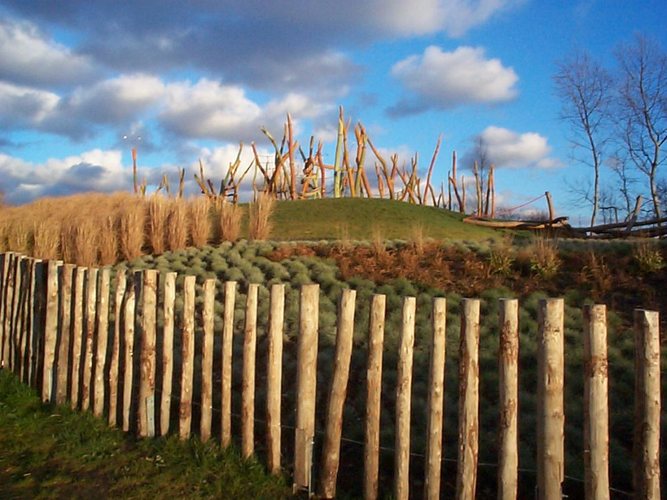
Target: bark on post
(207, 362)
(129, 321)
(306, 382)
(91, 307)
(77, 334)
(274, 377)
(16, 315)
(148, 355)
(167, 351)
(227, 344)
(646, 446)
(8, 301)
(102, 342)
(121, 284)
(37, 312)
(466, 475)
(66, 280)
(403, 401)
(508, 461)
(24, 269)
(248, 380)
(436, 397)
(596, 410)
(550, 415)
(5, 259)
(50, 330)
(338, 393)
(373, 396)
(187, 358)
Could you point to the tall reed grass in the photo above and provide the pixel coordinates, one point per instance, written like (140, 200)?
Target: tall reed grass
(158, 212)
(229, 221)
(259, 217)
(177, 224)
(200, 221)
(131, 222)
(46, 239)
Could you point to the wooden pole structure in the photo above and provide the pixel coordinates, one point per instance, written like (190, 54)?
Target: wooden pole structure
(37, 312)
(91, 307)
(248, 380)
(7, 301)
(146, 407)
(167, 350)
(66, 281)
(550, 415)
(227, 351)
(102, 342)
(4, 268)
(550, 206)
(16, 315)
(187, 358)
(274, 376)
(24, 320)
(114, 364)
(403, 401)
(306, 382)
(338, 393)
(508, 380)
(436, 398)
(50, 330)
(77, 334)
(466, 474)
(207, 362)
(129, 322)
(646, 445)
(596, 409)
(373, 396)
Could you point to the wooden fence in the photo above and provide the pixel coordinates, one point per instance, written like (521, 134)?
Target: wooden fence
(61, 335)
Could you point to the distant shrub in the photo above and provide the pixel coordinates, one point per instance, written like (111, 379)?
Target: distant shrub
(648, 258)
(544, 259)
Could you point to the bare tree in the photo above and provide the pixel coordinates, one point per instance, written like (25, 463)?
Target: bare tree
(584, 88)
(642, 108)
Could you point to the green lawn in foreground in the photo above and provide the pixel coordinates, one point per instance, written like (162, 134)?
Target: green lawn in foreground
(52, 452)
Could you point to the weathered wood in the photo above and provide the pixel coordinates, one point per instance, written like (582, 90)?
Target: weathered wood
(207, 362)
(114, 363)
(646, 445)
(167, 350)
(24, 321)
(550, 205)
(466, 473)
(373, 396)
(148, 358)
(50, 331)
(227, 343)
(66, 281)
(306, 382)
(77, 334)
(508, 381)
(187, 358)
(4, 271)
(19, 292)
(129, 324)
(403, 401)
(91, 308)
(550, 415)
(436, 397)
(102, 343)
(37, 272)
(596, 410)
(8, 301)
(274, 377)
(248, 380)
(337, 394)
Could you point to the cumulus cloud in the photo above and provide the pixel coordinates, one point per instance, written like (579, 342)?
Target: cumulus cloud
(439, 79)
(25, 107)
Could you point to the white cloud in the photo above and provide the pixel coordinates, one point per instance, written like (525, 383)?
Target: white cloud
(448, 79)
(506, 148)
(25, 107)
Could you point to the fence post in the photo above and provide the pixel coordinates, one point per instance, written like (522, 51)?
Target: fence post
(24, 320)
(77, 334)
(50, 330)
(187, 357)
(207, 362)
(274, 376)
(17, 318)
(550, 416)
(508, 379)
(227, 345)
(466, 475)
(36, 323)
(403, 400)
(66, 278)
(148, 358)
(646, 446)
(337, 394)
(7, 303)
(102, 342)
(129, 323)
(373, 396)
(4, 266)
(167, 350)
(436, 398)
(306, 383)
(91, 308)
(121, 284)
(248, 381)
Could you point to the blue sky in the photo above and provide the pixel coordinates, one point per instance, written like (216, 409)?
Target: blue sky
(81, 81)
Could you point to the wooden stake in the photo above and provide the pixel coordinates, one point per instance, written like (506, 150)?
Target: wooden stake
(187, 357)
(91, 307)
(148, 359)
(66, 278)
(77, 334)
(50, 330)
(167, 351)
(248, 381)
(227, 351)
(207, 362)
(102, 342)
(121, 284)
(274, 377)
(129, 321)
(37, 310)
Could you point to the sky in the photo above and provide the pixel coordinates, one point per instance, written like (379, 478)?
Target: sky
(83, 82)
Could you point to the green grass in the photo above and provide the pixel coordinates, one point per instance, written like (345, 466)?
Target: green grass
(53, 452)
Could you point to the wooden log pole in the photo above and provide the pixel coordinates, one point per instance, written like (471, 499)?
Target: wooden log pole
(8, 301)
(306, 382)
(4, 268)
(404, 401)
(337, 394)
(248, 380)
(227, 351)
(36, 308)
(373, 396)
(550, 414)
(274, 376)
(25, 318)
(436, 398)
(508, 381)
(17, 318)
(129, 325)
(167, 350)
(187, 358)
(50, 331)
(102, 342)
(646, 445)
(207, 362)
(466, 474)
(66, 282)
(148, 358)
(90, 322)
(114, 363)
(77, 334)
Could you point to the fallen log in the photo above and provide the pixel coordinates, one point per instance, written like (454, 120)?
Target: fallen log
(558, 222)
